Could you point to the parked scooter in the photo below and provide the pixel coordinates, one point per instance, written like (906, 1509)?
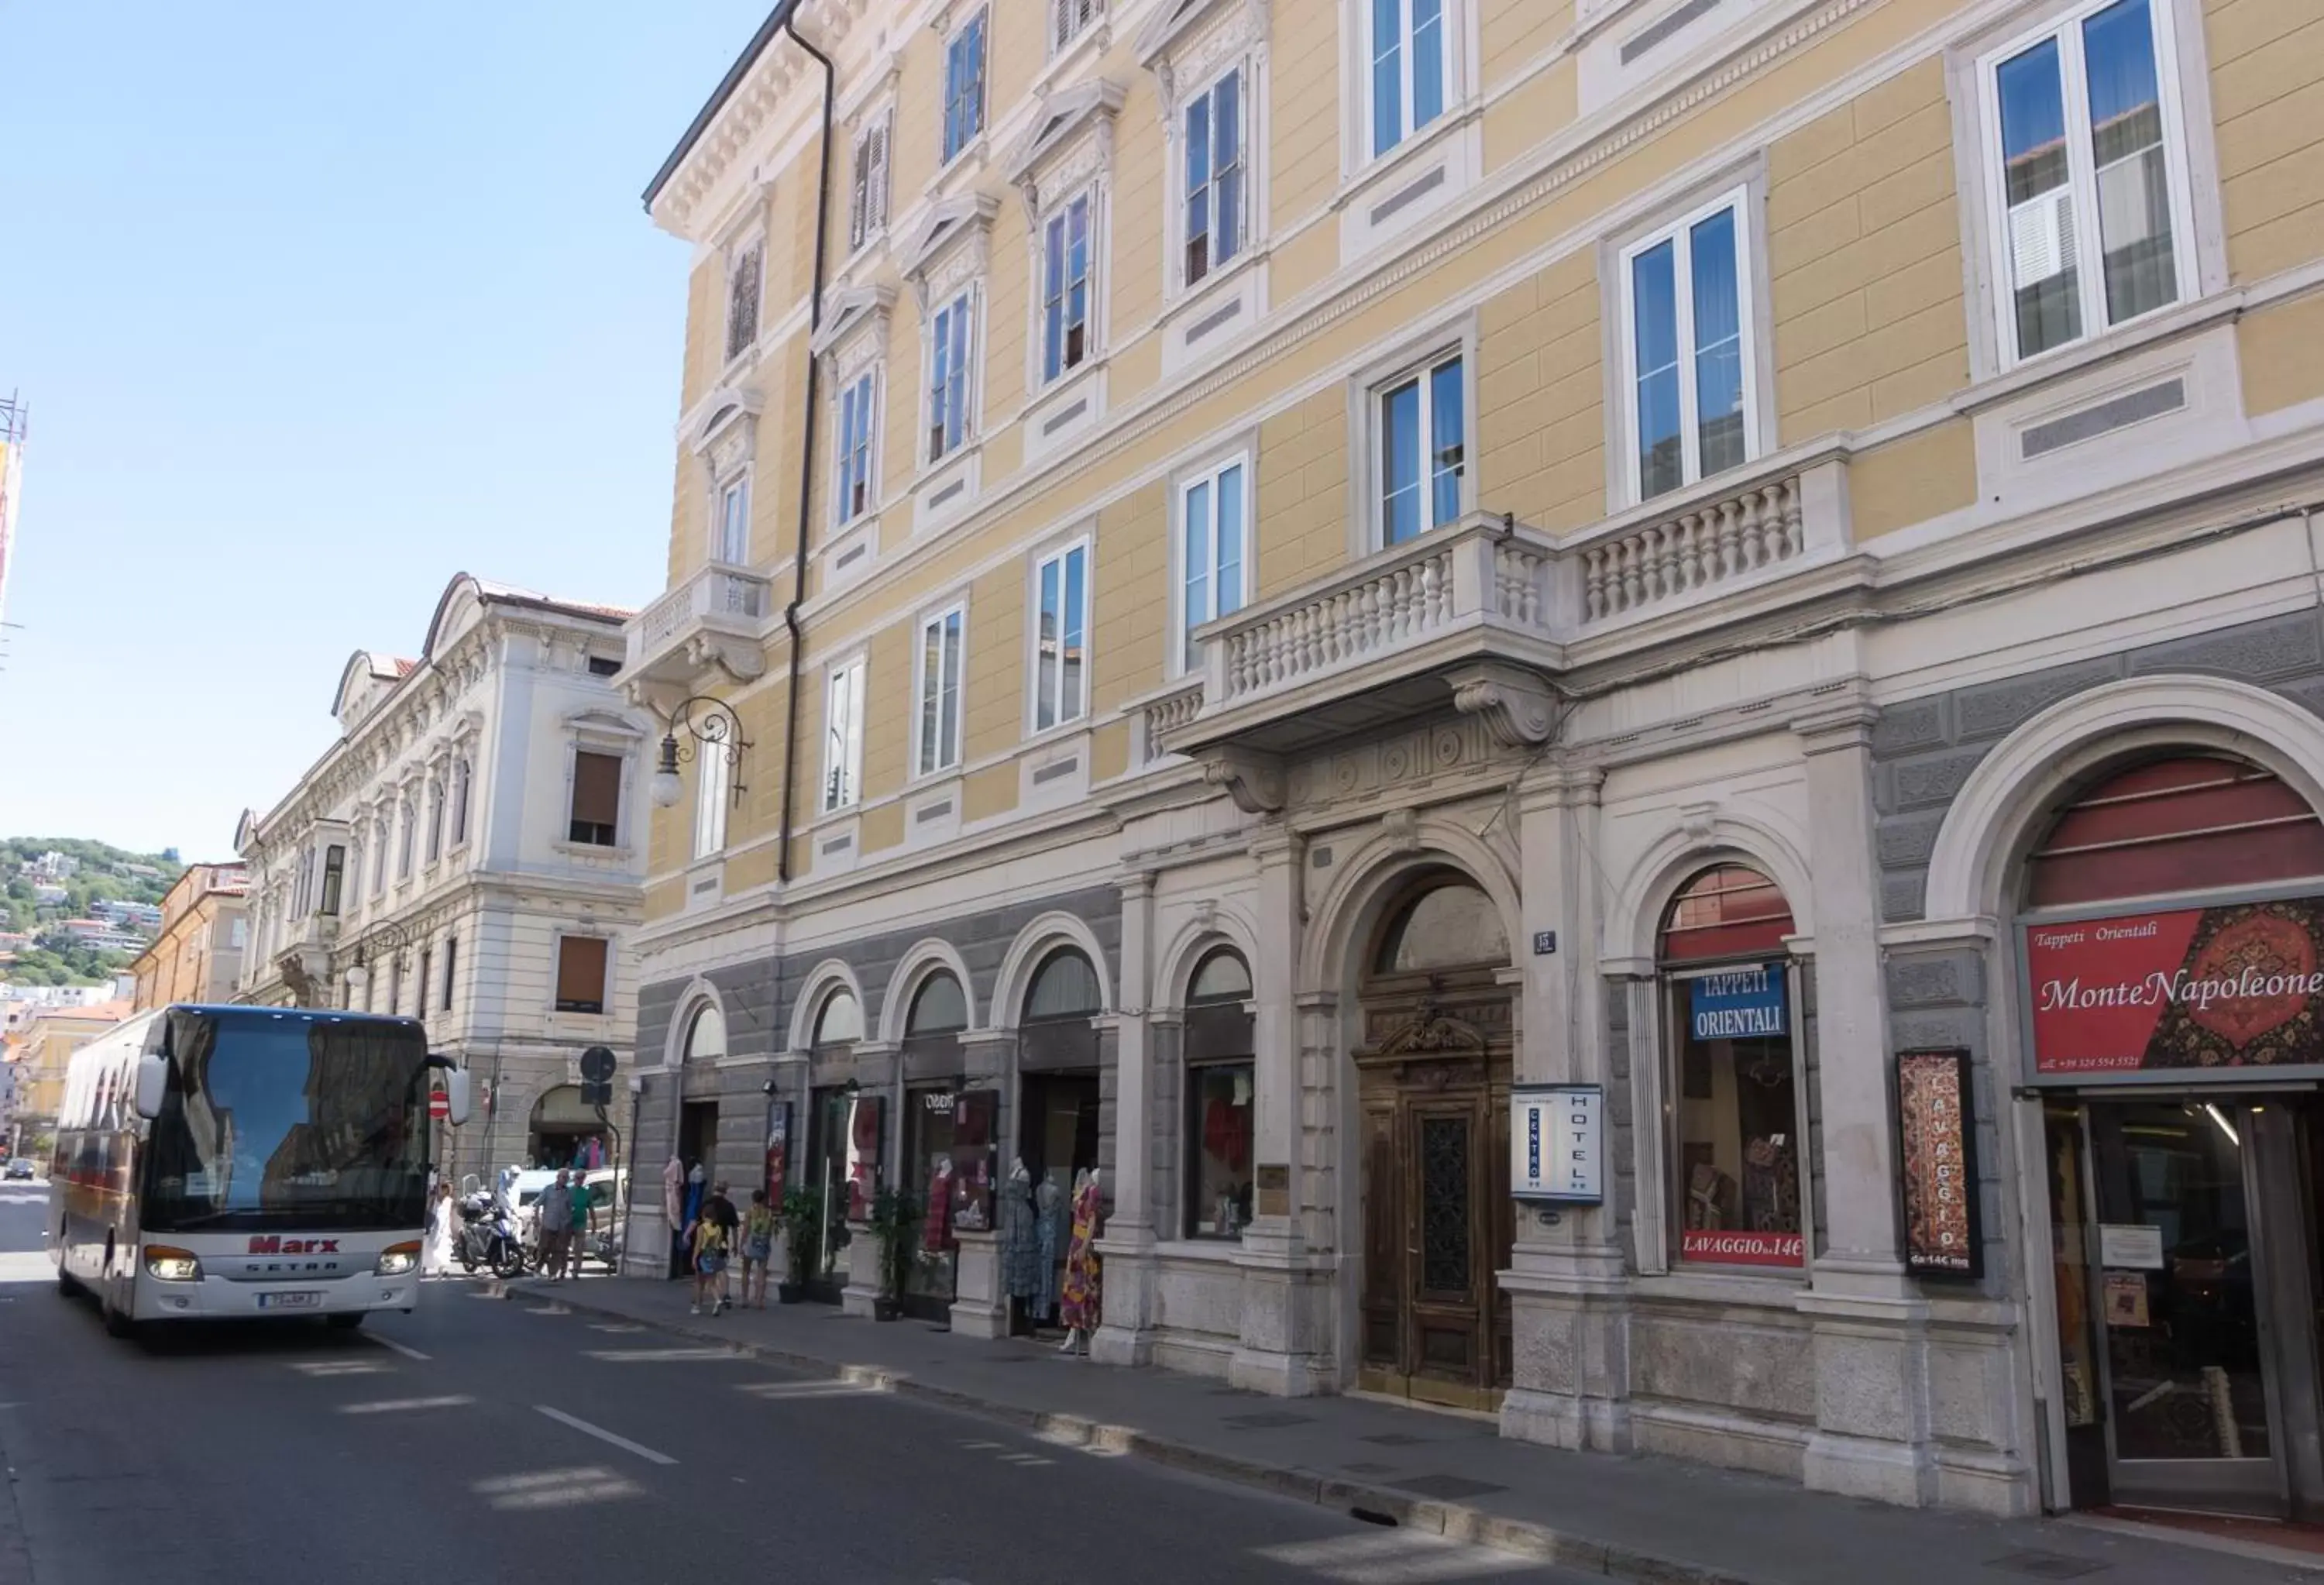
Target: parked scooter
(488, 1238)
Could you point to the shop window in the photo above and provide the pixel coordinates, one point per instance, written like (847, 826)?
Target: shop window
(1064, 987)
(1736, 1096)
(1221, 1098)
(938, 1007)
(581, 962)
(839, 1020)
(1445, 926)
(2179, 825)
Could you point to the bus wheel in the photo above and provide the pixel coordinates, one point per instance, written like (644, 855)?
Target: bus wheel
(117, 1323)
(346, 1320)
(67, 1283)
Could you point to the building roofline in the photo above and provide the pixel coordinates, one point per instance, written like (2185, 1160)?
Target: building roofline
(733, 80)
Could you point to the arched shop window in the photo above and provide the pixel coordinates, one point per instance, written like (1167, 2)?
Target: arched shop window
(1734, 1079)
(1222, 1075)
(706, 1036)
(938, 1007)
(1446, 926)
(840, 1019)
(1064, 987)
(2196, 822)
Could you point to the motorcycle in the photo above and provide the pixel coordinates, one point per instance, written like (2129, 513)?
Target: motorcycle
(488, 1239)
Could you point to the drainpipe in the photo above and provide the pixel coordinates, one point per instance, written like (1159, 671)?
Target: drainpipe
(807, 455)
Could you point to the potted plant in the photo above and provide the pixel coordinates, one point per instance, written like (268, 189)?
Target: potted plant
(803, 1231)
(895, 1226)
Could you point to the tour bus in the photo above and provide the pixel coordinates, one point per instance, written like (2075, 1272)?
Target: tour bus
(222, 1162)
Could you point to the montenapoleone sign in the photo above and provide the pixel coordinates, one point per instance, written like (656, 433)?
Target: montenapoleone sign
(2226, 987)
(1737, 1004)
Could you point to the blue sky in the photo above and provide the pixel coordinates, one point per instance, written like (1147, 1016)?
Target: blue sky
(315, 306)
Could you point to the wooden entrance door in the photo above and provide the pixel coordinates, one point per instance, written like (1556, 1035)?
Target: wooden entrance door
(1438, 1221)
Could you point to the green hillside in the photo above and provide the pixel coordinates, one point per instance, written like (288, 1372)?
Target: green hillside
(103, 873)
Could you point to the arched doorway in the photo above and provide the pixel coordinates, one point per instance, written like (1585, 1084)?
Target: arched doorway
(844, 1134)
(2171, 944)
(1433, 1086)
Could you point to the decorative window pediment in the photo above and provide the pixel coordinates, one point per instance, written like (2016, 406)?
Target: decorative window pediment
(1071, 142)
(854, 331)
(948, 246)
(721, 434)
(1187, 41)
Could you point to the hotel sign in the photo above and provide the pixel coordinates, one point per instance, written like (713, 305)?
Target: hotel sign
(1556, 1143)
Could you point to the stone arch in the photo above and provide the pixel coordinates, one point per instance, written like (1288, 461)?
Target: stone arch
(1636, 909)
(699, 993)
(1996, 813)
(1175, 966)
(927, 954)
(1053, 929)
(1351, 903)
(820, 983)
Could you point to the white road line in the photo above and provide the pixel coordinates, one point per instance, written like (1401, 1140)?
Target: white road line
(406, 1349)
(602, 1434)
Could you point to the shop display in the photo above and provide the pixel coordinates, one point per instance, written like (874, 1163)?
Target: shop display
(1019, 1238)
(1082, 1307)
(1052, 1231)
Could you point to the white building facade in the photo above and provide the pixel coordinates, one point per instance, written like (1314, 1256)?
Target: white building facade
(469, 853)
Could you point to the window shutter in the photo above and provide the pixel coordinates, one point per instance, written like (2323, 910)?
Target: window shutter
(581, 974)
(859, 197)
(876, 198)
(596, 789)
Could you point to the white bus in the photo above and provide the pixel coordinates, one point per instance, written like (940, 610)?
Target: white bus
(222, 1162)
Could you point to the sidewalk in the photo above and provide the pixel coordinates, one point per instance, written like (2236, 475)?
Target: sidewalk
(1659, 1521)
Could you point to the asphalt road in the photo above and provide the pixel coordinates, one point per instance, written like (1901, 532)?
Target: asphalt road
(512, 1440)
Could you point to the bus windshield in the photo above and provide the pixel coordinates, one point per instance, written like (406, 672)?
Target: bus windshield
(271, 1121)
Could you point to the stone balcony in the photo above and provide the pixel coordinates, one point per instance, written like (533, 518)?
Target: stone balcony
(717, 617)
(1488, 614)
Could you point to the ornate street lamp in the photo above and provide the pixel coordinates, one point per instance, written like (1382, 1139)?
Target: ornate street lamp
(387, 937)
(703, 720)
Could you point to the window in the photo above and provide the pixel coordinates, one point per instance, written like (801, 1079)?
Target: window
(867, 201)
(435, 821)
(743, 272)
(1072, 19)
(1410, 68)
(1064, 987)
(1214, 176)
(379, 853)
(1736, 1104)
(938, 1007)
(854, 490)
(711, 774)
(605, 665)
(596, 799)
(963, 104)
(2086, 148)
(1423, 445)
(1065, 289)
(420, 1000)
(237, 933)
(451, 968)
(939, 692)
(334, 864)
(1211, 553)
(581, 974)
(733, 547)
(460, 777)
(411, 819)
(1221, 1073)
(1685, 293)
(839, 1020)
(1060, 637)
(706, 1036)
(843, 736)
(395, 986)
(950, 336)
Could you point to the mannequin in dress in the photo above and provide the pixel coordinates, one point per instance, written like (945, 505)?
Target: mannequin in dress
(1052, 1230)
(1013, 1222)
(1081, 1291)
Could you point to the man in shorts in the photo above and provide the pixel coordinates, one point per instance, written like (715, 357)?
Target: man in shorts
(556, 1214)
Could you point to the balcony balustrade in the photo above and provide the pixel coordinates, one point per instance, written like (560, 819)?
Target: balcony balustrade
(717, 616)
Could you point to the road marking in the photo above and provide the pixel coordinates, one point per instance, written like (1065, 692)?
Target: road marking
(551, 1309)
(612, 1326)
(396, 1405)
(602, 1434)
(406, 1349)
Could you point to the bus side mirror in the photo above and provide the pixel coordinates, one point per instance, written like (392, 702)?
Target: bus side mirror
(153, 1082)
(455, 1096)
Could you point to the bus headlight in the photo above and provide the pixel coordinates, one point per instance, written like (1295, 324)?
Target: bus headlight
(398, 1258)
(170, 1264)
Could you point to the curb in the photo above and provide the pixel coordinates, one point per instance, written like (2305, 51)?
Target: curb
(1377, 1504)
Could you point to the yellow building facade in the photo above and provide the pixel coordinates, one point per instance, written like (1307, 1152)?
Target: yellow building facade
(205, 930)
(1257, 585)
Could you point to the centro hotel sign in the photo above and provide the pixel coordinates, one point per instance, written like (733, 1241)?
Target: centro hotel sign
(2223, 987)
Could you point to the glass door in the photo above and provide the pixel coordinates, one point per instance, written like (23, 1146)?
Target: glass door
(2180, 1283)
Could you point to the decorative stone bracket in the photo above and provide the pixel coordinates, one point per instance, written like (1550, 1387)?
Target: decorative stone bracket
(1253, 780)
(1516, 704)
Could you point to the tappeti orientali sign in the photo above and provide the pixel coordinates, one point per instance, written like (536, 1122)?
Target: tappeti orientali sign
(1737, 1004)
(2238, 986)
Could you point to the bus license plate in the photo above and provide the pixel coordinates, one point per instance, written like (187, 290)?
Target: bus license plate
(290, 1301)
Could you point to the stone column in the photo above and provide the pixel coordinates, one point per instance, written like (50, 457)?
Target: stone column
(1125, 1335)
(1284, 1326)
(1871, 1344)
(1568, 1295)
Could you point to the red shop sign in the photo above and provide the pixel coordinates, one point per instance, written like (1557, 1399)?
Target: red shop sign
(1742, 1248)
(2224, 987)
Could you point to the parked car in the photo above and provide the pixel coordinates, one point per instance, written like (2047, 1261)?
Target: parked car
(21, 1168)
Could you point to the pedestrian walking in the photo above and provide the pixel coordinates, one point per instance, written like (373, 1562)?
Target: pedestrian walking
(443, 1215)
(709, 1263)
(555, 1218)
(579, 1236)
(718, 1210)
(758, 1249)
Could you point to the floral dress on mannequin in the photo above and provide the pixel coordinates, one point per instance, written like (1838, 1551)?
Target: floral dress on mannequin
(1081, 1307)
